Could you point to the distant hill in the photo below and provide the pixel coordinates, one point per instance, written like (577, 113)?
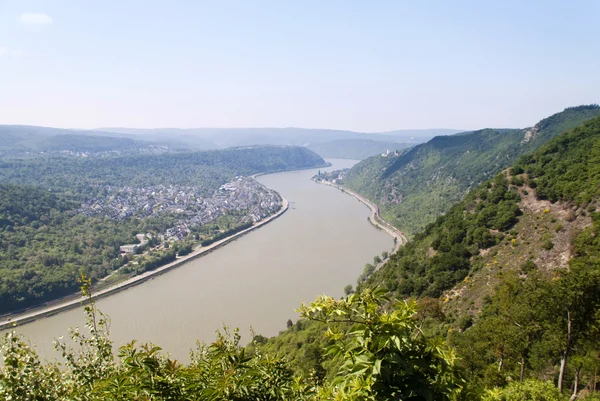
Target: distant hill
(421, 184)
(417, 135)
(356, 149)
(215, 138)
(33, 140)
(21, 139)
(206, 169)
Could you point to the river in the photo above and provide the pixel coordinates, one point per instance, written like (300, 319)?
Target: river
(318, 246)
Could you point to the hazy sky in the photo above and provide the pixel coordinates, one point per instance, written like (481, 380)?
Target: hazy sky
(367, 66)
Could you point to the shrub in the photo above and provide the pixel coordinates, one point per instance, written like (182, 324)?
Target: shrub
(530, 390)
(547, 245)
(528, 266)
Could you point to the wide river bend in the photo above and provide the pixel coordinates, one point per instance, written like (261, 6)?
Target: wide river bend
(318, 246)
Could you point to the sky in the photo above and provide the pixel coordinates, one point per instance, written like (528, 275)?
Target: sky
(358, 65)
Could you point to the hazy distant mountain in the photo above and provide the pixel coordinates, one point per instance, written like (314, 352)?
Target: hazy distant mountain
(357, 149)
(19, 139)
(417, 135)
(214, 138)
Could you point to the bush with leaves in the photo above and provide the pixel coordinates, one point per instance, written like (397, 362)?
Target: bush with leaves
(384, 355)
(530, 390)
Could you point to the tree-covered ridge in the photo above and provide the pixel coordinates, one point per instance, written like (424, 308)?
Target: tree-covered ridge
(557, 123)
(425, 182)
(568, 168)
(208, 169)
(565, 169)
(539, 315)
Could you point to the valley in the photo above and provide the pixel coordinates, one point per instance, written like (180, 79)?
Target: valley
(299, 201)
(255, 281)
(504, 282)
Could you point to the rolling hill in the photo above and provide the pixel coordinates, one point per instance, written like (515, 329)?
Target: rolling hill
(18, 140)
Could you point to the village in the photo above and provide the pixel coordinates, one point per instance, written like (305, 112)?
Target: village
(335, 177)
(243, 197)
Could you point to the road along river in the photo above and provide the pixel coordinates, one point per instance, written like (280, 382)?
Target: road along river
(318, 246)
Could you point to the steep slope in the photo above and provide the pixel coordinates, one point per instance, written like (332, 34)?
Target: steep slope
(423, 183)
(535, 219)
(515, 205)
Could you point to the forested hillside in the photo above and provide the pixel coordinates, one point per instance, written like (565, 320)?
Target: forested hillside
(206, 169)
(45, 245)
(422, 184)
(503, 276)
(566, 169)
(47, 241)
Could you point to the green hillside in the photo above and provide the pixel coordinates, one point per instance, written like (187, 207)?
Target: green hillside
(355, 149)
(422, 184)
(207, 169)
(514, 236)
(566, 169)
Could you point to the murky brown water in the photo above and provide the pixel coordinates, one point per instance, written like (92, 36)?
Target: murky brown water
(318, 246)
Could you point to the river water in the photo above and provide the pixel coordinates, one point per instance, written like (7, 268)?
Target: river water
(318, 246)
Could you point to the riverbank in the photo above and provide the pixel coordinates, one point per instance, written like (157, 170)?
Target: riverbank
(74, 300)
(49, 310)
(376, 219)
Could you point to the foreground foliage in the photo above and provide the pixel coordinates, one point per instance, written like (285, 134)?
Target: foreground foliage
(382, 356)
